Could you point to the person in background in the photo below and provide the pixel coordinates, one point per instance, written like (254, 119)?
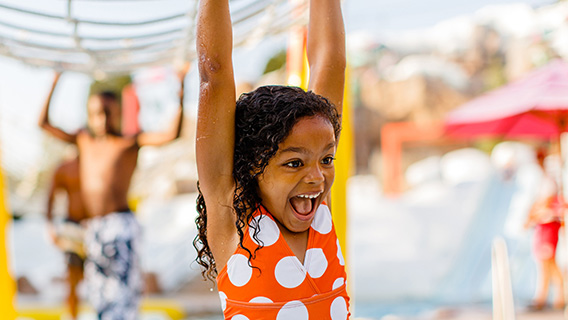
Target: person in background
(68, 236)
(107, 160)
(546, 216)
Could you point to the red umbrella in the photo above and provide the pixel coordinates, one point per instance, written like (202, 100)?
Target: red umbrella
(535, 105)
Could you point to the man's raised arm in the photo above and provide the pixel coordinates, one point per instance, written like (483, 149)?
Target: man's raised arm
(174, 130)
(44, 117)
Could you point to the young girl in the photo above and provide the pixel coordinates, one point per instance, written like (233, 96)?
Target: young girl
(265, 170)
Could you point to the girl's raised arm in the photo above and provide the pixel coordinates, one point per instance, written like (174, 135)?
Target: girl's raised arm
(326, 50)
(216, 123)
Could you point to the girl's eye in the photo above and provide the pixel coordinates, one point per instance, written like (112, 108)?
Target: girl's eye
(328, 160)
(294, 164)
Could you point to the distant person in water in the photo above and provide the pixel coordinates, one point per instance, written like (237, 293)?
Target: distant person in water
(107, 160)
(69, 235)
(546, 217)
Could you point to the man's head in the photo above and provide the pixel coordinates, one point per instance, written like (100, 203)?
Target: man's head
(103, 114)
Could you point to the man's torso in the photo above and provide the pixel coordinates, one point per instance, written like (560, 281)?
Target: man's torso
(106, 169)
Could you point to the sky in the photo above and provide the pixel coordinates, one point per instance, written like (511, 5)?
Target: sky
(378, 16)
(24, 88)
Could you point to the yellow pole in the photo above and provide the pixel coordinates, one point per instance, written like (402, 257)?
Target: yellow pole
(343, 170)
(7, 284)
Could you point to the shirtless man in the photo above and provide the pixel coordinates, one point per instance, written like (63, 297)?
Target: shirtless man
(69, 235)
(107, 162)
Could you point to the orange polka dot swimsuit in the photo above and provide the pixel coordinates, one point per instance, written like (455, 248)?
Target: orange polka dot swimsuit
(284, 288)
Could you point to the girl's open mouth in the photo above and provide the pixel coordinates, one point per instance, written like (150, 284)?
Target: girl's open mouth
(304, 205)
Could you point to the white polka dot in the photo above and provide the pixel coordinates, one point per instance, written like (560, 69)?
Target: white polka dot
(268, 233)
(293, 310)
(340, 254)
(260, 300)
(239, 317)
(288, 273)
(322, 221)
(223, 298)
(338, 309)
(316, 262)
(238, 270)
(338, 283)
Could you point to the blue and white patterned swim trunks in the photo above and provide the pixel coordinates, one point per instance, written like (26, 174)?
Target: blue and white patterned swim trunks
(112, 268)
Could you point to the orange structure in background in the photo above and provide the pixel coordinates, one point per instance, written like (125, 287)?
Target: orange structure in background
(296, 60)
(393, 136)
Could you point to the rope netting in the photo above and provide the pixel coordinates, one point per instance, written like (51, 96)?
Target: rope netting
(105, 37)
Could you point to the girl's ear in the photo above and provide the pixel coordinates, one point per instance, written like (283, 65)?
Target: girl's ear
(260, 177)
(257, 174)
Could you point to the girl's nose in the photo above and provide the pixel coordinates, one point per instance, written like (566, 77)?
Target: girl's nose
(315, 175)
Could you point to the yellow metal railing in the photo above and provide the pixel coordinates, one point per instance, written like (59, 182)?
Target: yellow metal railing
(7, 284)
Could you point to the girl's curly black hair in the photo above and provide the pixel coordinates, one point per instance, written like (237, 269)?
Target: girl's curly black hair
(263, 119)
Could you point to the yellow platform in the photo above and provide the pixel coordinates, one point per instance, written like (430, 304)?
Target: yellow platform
(171, 309)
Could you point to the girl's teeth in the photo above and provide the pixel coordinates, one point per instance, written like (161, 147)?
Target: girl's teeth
(308, 197)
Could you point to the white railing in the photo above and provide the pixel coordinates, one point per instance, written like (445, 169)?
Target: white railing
(503, 305)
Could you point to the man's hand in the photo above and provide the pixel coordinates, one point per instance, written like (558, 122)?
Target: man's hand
(182, 70)
(52, 232)
(56, 76)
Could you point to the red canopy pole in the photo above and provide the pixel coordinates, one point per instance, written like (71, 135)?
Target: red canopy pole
(130, 111)
(561, 129)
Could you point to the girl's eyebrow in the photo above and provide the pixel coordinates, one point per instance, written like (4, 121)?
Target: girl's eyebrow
(295, 150)
(305, 150)
(330, 146)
